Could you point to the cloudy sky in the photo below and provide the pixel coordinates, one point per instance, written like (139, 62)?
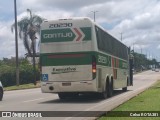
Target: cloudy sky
(137, 20)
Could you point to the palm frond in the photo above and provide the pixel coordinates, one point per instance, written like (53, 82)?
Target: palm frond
(28, 28)
(12, 27)
(23, 26)
(37, 21)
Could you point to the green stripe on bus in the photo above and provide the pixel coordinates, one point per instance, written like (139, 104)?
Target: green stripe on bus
(123, 65)
(103, 59)
(78, 58)
(65, 59)
(87, 32)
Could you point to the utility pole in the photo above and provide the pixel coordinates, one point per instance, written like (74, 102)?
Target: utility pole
(94, 15)
(141, 50)
(146, 54)
(121, 36)
(133, 46)
(16, 44)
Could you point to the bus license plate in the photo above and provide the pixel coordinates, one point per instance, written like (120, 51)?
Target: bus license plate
(66, 84)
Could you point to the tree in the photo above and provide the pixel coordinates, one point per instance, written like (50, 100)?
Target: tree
(8, 70)
(28, 28)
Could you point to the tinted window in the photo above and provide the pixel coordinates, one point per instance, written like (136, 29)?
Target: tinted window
(109, 44)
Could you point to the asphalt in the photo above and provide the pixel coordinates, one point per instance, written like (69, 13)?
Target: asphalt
(34, 100)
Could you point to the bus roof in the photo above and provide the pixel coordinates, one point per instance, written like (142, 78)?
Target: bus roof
(73, 18)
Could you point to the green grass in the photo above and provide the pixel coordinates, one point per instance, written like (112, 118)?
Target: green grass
(20, 87)
(149, 100)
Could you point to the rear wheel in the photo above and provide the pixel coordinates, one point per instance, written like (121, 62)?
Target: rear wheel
(1, 94)
(104, 94)
(124, 89)
(62, 95)
(110, 89)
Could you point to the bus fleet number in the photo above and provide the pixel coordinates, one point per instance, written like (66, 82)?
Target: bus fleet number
(58, 25)
(102, 59)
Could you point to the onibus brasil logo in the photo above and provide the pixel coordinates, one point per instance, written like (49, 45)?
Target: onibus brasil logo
(64, 70)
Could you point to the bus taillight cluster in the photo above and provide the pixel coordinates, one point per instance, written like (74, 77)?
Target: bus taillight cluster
(94, 69)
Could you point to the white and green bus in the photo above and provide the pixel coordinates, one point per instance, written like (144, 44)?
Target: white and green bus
(77, 56)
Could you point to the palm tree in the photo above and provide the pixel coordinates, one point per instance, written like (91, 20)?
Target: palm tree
(27, 28)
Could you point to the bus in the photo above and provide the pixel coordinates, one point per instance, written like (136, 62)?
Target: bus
(77, 56)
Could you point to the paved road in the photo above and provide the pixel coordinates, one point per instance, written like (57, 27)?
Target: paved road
(34, 100)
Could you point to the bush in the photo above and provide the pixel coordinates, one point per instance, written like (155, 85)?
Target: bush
(26, 75)
(7, 75)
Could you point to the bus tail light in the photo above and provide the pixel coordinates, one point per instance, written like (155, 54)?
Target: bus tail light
(94, 69)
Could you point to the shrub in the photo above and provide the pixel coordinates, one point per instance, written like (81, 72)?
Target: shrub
(26, 75)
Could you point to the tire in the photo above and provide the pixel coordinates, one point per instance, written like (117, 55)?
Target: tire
(62, 96)
(104, 94)
(110, 89)
(1, 94)
(124, 89)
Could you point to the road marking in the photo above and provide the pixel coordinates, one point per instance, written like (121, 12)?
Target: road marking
(33, 100)
(18, 92)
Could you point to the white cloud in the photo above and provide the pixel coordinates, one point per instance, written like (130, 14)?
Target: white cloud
(158, 47)
(54, 14)
(138, 20)
(141, 29)
(7, 41)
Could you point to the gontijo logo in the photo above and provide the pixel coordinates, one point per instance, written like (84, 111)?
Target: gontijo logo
(74, 33)
(58, 35)
(66, 34)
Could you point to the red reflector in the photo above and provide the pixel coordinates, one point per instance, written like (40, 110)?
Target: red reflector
(94, 65)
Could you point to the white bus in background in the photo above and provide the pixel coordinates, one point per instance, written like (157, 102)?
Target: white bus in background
(77, 56)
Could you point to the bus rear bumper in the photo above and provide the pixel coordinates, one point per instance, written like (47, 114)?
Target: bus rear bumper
(80, 86)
